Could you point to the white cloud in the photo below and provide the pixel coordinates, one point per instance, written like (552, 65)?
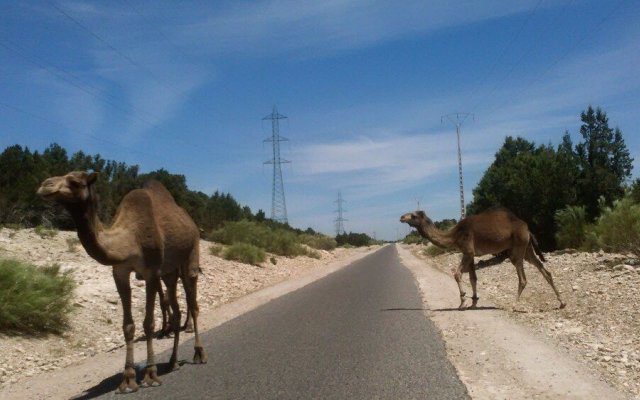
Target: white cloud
(326, 26)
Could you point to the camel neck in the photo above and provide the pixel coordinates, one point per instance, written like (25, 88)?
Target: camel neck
(90, 228)
(436, 236)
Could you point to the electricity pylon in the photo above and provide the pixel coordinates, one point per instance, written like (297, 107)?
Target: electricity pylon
(278, 204)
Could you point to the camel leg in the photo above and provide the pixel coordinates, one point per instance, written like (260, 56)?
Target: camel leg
(188, 323)
(171, 280)
(463, 267)
(166, 313)
(516, 258)
(473, 278)
(531, 258)
(191, 290)
(121, 278)
(151, 371)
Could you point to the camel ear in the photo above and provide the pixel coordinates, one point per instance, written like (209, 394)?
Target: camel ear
(420, 214)
(91, 178)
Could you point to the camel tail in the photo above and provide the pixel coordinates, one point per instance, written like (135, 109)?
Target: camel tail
(534, 243)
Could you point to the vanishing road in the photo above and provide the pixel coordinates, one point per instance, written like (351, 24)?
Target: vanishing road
(359, 333)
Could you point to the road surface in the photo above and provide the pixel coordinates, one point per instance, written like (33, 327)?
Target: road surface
(359, 333)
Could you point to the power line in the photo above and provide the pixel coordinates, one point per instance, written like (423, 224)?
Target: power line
(92, 136)
(536, 43)
(592, 30)
(88, 88)
(113, 48)
(497, 60)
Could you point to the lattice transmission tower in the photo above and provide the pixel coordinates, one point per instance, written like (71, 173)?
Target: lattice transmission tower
(457, 119)
(278, 204)
(339, 221)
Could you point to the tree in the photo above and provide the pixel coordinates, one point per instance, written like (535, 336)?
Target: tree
(532, 181)
(604, 161)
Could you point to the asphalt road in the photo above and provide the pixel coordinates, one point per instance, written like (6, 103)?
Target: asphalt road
(359, 333)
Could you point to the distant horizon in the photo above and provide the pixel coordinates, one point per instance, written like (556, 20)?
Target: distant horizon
(185, 86)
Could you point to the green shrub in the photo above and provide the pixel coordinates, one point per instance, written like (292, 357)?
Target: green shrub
(34, 300)
(571, 227)
(319, 242)
(245, 253)
(73, 243)
(216, 250)
(44, 232)
(618, 229)
(273, 240)
(13, 227)
(413, 238)
(313, 254)
(433, 250)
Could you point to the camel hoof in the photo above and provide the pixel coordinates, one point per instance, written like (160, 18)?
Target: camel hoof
(562, 305)
(128, 384)
(151, 377)
(200, 356)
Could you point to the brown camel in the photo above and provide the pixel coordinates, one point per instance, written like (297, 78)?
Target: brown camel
(151, 236)
(491, 232)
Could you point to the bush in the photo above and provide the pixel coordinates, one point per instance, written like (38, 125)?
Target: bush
(245, 253)
(571, 227)
(73, 243)
(45, 233)
(618, 229)
(215, 250)
(273, 240)
(413, 238)
(34, 300)
(433, 250)
(319, 242)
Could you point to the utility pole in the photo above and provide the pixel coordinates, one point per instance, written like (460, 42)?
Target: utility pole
(418, 200)
(457, 119)
(339, 221)
(278, 204)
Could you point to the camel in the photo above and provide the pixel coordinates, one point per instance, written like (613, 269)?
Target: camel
(151, 236)
(491, 232)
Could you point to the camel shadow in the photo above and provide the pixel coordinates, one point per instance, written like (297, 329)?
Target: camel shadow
(404, 309)
(110, 384)
(480, 308)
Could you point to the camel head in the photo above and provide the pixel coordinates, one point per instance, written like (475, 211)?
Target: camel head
(69, 189)
(415, 218)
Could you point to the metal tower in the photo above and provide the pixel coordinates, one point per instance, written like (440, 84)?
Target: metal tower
(457, 119)
(339, 221)
(278, 205)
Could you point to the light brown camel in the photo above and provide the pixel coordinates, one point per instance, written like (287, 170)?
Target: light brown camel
(150, 235)
(491, 232)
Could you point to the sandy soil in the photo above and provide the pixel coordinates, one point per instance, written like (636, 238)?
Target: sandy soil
(97, 318)
(531, 349)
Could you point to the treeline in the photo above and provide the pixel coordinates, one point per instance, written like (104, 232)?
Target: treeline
(22, 171)
(538, 182)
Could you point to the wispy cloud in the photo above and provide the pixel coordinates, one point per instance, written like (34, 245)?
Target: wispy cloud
(326, 26)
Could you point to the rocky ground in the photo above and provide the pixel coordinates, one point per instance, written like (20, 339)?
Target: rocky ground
(600, 325)
(97, 319)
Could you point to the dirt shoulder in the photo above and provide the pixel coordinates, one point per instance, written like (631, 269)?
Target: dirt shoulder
(532, 349)
(92, 349)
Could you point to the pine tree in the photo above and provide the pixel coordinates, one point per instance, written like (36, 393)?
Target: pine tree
(604, 161)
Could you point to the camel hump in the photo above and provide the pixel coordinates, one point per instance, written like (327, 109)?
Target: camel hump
(157, 190)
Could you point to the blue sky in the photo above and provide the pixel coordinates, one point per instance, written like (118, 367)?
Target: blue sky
(184, 86)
